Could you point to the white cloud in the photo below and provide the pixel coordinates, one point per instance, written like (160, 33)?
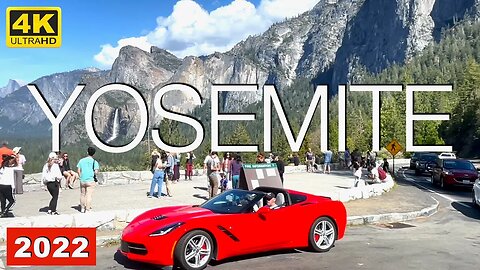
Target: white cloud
(192, 30)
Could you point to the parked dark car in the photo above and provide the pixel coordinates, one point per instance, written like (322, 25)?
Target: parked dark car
(454, 172)
(425, 163)
(415, 157)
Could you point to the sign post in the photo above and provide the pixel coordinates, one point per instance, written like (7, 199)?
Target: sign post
(394, 147)
(256, 175)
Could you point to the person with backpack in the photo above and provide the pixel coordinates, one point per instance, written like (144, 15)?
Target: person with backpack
(87, 169)
(382, 174)
(235, 169)
(7, 184)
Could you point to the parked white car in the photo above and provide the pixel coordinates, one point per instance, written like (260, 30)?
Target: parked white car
(476, 194)
(447, 156)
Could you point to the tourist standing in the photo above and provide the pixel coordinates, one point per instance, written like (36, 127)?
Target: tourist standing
(189, 165)
(280, 166)
(309, 160)
(327, 159)
(87, 168)
(347, 158)
(235, 169)
(6, 185)
(212, 164)
(169, 172)
(154, 157)
(51, 177)
(20, 160)
(176, 168)
(157, 179)
(227, 159)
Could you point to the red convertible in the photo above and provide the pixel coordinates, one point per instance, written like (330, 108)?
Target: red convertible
(234, 223)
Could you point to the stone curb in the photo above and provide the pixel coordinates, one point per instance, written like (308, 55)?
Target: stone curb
(393, 217)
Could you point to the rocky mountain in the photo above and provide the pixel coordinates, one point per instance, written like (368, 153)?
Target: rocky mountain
(327, 44)
(19, 111)
(12, 86)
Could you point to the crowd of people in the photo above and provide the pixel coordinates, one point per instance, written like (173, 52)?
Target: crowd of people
(222, 173)
(376, 171)
(57, 170)
(57, 174)
(11, 177)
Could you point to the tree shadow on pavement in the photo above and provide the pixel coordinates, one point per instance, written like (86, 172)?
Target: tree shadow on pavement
(471, 212)
(203, 197)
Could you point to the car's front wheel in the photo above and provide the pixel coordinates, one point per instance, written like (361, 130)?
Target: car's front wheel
(323, 234)
(194, 250)
(474, 201)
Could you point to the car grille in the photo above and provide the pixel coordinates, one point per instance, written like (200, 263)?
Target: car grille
(461, 179)
(133, 248)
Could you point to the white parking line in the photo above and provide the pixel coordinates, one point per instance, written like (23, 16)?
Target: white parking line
(433, 191)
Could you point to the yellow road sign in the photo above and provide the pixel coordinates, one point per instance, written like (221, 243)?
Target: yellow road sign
(394, 147)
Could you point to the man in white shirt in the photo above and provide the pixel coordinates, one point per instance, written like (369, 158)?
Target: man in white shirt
(272, 201)
(212, 165)
(373, 176)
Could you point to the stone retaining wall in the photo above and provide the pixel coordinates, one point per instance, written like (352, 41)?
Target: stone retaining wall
(127, 177)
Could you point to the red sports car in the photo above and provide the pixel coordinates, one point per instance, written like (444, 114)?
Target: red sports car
(235, 222)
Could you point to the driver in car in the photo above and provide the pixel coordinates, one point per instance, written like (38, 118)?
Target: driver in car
(272, 201)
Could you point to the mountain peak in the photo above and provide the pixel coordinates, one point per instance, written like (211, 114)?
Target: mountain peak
(12, 86)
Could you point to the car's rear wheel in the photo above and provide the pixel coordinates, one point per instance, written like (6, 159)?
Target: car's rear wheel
(442, 183)
(194, 250)
(323, 234)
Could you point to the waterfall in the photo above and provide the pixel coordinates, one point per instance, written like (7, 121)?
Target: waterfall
(116, 126)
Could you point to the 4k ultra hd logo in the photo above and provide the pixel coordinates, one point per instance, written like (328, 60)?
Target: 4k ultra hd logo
(34, 27)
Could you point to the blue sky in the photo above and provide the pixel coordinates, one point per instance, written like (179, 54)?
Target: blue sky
(94, 31)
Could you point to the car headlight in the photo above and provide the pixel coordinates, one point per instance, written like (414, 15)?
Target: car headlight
(417, 163)
(448, 172)
(167, 229)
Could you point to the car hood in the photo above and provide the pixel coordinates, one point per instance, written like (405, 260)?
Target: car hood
(157, 218)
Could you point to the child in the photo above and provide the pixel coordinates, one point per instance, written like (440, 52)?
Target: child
(357, 173)
(223, 182)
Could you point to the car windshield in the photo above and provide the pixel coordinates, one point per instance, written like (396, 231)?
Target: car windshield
(419, 154)
(459, 165)
(428, 157)
(234, 201)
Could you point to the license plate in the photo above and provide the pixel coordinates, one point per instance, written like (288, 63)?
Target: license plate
(466, 181)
